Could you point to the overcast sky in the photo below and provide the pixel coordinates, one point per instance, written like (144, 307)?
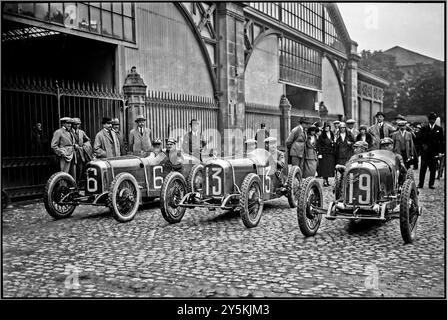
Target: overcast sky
(379, 26)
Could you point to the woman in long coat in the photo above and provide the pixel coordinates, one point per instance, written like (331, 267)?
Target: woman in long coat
(343, 145)
(326, 154)
(310, 153)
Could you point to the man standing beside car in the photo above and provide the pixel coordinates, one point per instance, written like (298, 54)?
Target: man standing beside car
(403, 143)
(140, 138)
(380, 130)
(80, 137)
(106, 142)
(63, 146)
(295, 143)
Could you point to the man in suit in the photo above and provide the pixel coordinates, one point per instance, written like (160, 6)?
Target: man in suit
(350, 127)
(336, 128)
(116, 128)
(63, 146)
(106, 143)
(432, 145)
(174, 158)
(380, 130)
(193, 141)
(403, 143)
(80, 137)
(278, 157)
(140, 138)
(295, 143)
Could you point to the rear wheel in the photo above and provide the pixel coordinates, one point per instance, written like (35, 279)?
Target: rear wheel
(195, 178)
(124, 197)
(56, 190)
(338, 188)
(172, 192)
(293, 183)
(409, 211)
(251, 203)
(310, 194)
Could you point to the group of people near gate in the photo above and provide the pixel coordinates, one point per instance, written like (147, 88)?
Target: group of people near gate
(317, 149)
(74, 148)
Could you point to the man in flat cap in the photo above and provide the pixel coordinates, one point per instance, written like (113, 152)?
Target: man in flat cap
(193, 141)
(432, 146)
(295, 143)
(119, 135)
(403, 143)
(63, 146)
(157, 145)
(350, 127)
(380, 130)
(140, 138)
(82, 156)
(106, 143)
(388, 144)
(360, 147)
(174, 158)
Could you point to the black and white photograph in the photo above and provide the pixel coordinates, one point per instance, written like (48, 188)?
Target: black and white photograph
(202, 151)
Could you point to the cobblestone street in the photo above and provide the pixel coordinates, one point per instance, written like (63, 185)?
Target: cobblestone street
(212, 254)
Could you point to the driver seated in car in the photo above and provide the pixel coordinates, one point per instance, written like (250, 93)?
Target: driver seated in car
(156, 144)
(360, 147)
(173, 157)
(278, 156)
(388, 144)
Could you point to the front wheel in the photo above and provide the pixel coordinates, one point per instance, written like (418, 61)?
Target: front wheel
(409, 211)
(309, 195)
(251, 203)
(195, 178)
(172, 192)
(293, 184)
(56, 192)
(338, 185)
(124, 197)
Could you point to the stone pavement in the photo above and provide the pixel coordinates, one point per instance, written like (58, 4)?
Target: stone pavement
(212, 254)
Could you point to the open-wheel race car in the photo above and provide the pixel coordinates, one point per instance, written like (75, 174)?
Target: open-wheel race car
(241, 184)
(121, 183)
(369, 186)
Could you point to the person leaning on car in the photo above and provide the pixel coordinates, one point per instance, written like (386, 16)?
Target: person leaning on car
(106, 143)
(63, 146)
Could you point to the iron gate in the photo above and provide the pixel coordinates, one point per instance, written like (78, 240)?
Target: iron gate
(27, 163)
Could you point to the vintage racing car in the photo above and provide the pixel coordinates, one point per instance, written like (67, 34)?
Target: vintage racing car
(231, 184)
(121, 183)
(369, 186)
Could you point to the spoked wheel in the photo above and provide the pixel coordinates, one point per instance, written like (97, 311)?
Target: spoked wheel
(310, 194)
(172, 192)
(195, 178)
(124, 197)
(56, 193)
(293, 183)
(251, 202)
(410, 174)
(338, 189)
(409, 211)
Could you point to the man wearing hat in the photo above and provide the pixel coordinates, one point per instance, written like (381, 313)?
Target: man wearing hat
(343, 145)
(193, 141)
(350, 127)
(388, 144)
(336, 128)
(157, 145)
(140, 138)
(261, 135)
(403, 143)
(80, 139)
(106, 143)
(116, 128)
(432, 145)
(174, 158)
(63, 146)
(360, 147)
(250, 145)
(380, 130)
(295, 143)
(278, 156)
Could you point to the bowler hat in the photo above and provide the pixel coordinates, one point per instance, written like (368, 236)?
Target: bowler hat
(432, 116)
(115, 121)
(76, 121)
(140, 118)
(106, 120)
(66, 119)
(380, 113)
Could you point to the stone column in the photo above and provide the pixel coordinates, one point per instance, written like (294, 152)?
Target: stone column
(285, 107)
(352, 107)
(231, 91)
(135, 95)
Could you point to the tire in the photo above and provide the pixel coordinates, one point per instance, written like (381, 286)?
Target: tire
(58, 186)
(251, 203)
(196, 172)
(293, 184)
(173, 190)
(310, 193)
(410, 175)
(124, 197)
(409, 211)
(5, 200)
(338, 185)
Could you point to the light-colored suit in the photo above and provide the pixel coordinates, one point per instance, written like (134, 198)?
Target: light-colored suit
(62, 145)
(403, 144)
(295, 143)
(140, 145)
(374, 130)
(104, 146)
